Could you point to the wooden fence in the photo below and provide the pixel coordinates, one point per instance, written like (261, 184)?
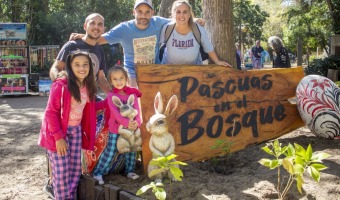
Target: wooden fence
(89, 189)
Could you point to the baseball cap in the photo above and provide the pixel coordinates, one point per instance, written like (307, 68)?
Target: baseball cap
(138, 2)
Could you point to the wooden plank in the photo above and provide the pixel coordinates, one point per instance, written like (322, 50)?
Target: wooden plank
(90, 182)
(125, 195)
(111, 192)
(81, 190)
(99, 192)
(243, 107)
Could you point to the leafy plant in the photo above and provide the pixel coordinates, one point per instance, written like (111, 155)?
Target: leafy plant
(337, 83)
(321, 66)
(296, 162)
(223, 145)
(156, 189)
(165, 163)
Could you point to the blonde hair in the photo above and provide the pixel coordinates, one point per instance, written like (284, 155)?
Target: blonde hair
(178, 3)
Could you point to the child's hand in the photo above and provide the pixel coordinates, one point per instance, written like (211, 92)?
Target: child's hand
(133, 125)
(61, 147)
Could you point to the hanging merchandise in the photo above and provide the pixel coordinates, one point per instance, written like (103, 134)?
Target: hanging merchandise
(42, 57)
(13, 59)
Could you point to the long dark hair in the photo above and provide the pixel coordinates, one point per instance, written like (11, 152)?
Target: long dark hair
(89, 81)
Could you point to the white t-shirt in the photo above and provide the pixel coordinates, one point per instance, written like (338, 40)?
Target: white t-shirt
(184, 49)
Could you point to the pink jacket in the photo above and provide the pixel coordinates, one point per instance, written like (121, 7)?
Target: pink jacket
(55, 121)
(116, 119)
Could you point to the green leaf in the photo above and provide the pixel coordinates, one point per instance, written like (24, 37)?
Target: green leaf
(318, 166)
(178, 163)
(143, 189)
(284, 149)
(177, 173)
(156, 171)
(274, 164)
(300, 160)
(309, 152)
(265, 162)
(314, 173)
(267, 150)
(320, 156)
(160, 194)
(288, 166)
(299, 150)
(299, 183)
(298, 169)
(170, 157)
(290, 150)
(158, 184)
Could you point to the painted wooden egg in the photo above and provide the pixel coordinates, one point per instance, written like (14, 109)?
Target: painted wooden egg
(318, 102)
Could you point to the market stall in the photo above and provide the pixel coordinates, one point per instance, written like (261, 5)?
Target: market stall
(41, 59)
(14, 59)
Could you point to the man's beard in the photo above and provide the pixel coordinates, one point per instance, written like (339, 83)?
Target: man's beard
(93, 38)
(143, 21)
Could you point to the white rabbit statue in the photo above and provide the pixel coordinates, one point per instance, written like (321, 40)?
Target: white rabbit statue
(161, 142)
(129, 140)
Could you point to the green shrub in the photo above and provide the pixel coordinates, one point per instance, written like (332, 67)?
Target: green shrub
(296, 160)
(321, 66)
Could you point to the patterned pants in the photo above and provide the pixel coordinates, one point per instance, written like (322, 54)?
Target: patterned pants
(66, 170)
(109, 154)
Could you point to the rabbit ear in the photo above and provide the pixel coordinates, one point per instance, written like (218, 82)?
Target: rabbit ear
(131, 99)
(158, 103)
(117, 101)
(172, 105)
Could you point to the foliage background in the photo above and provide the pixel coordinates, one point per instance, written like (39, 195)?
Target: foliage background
(304, 25)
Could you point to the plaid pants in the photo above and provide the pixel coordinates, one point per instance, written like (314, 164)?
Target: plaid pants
(108, 155)
(66, 170)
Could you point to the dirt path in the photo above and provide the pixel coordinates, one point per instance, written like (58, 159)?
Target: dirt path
(23, 168)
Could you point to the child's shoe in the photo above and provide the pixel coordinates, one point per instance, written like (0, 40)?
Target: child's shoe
(132, 175)
(48, 189)
(100, 179)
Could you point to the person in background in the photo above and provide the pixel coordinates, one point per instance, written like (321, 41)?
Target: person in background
(69, 123)
(118, 78)
(280, 53)
(256, 55)
(238, 56)
(94, 27)
(182, 46)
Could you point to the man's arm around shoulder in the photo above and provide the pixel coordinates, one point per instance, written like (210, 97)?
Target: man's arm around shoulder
(57, 66)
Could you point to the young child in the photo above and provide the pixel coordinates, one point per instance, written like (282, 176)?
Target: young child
(69, 123)
(118, 78)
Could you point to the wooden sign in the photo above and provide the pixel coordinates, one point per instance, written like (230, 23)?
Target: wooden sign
(219, 103)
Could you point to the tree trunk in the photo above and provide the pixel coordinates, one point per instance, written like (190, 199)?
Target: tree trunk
(165, 8)
(335, 14)
(218, 16)
(299, 51)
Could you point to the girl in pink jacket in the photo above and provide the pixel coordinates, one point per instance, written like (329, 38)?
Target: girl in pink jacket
(69, 123)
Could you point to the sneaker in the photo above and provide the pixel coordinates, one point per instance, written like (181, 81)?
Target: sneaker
(48, 189)
(132, 175)
(100, 179)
